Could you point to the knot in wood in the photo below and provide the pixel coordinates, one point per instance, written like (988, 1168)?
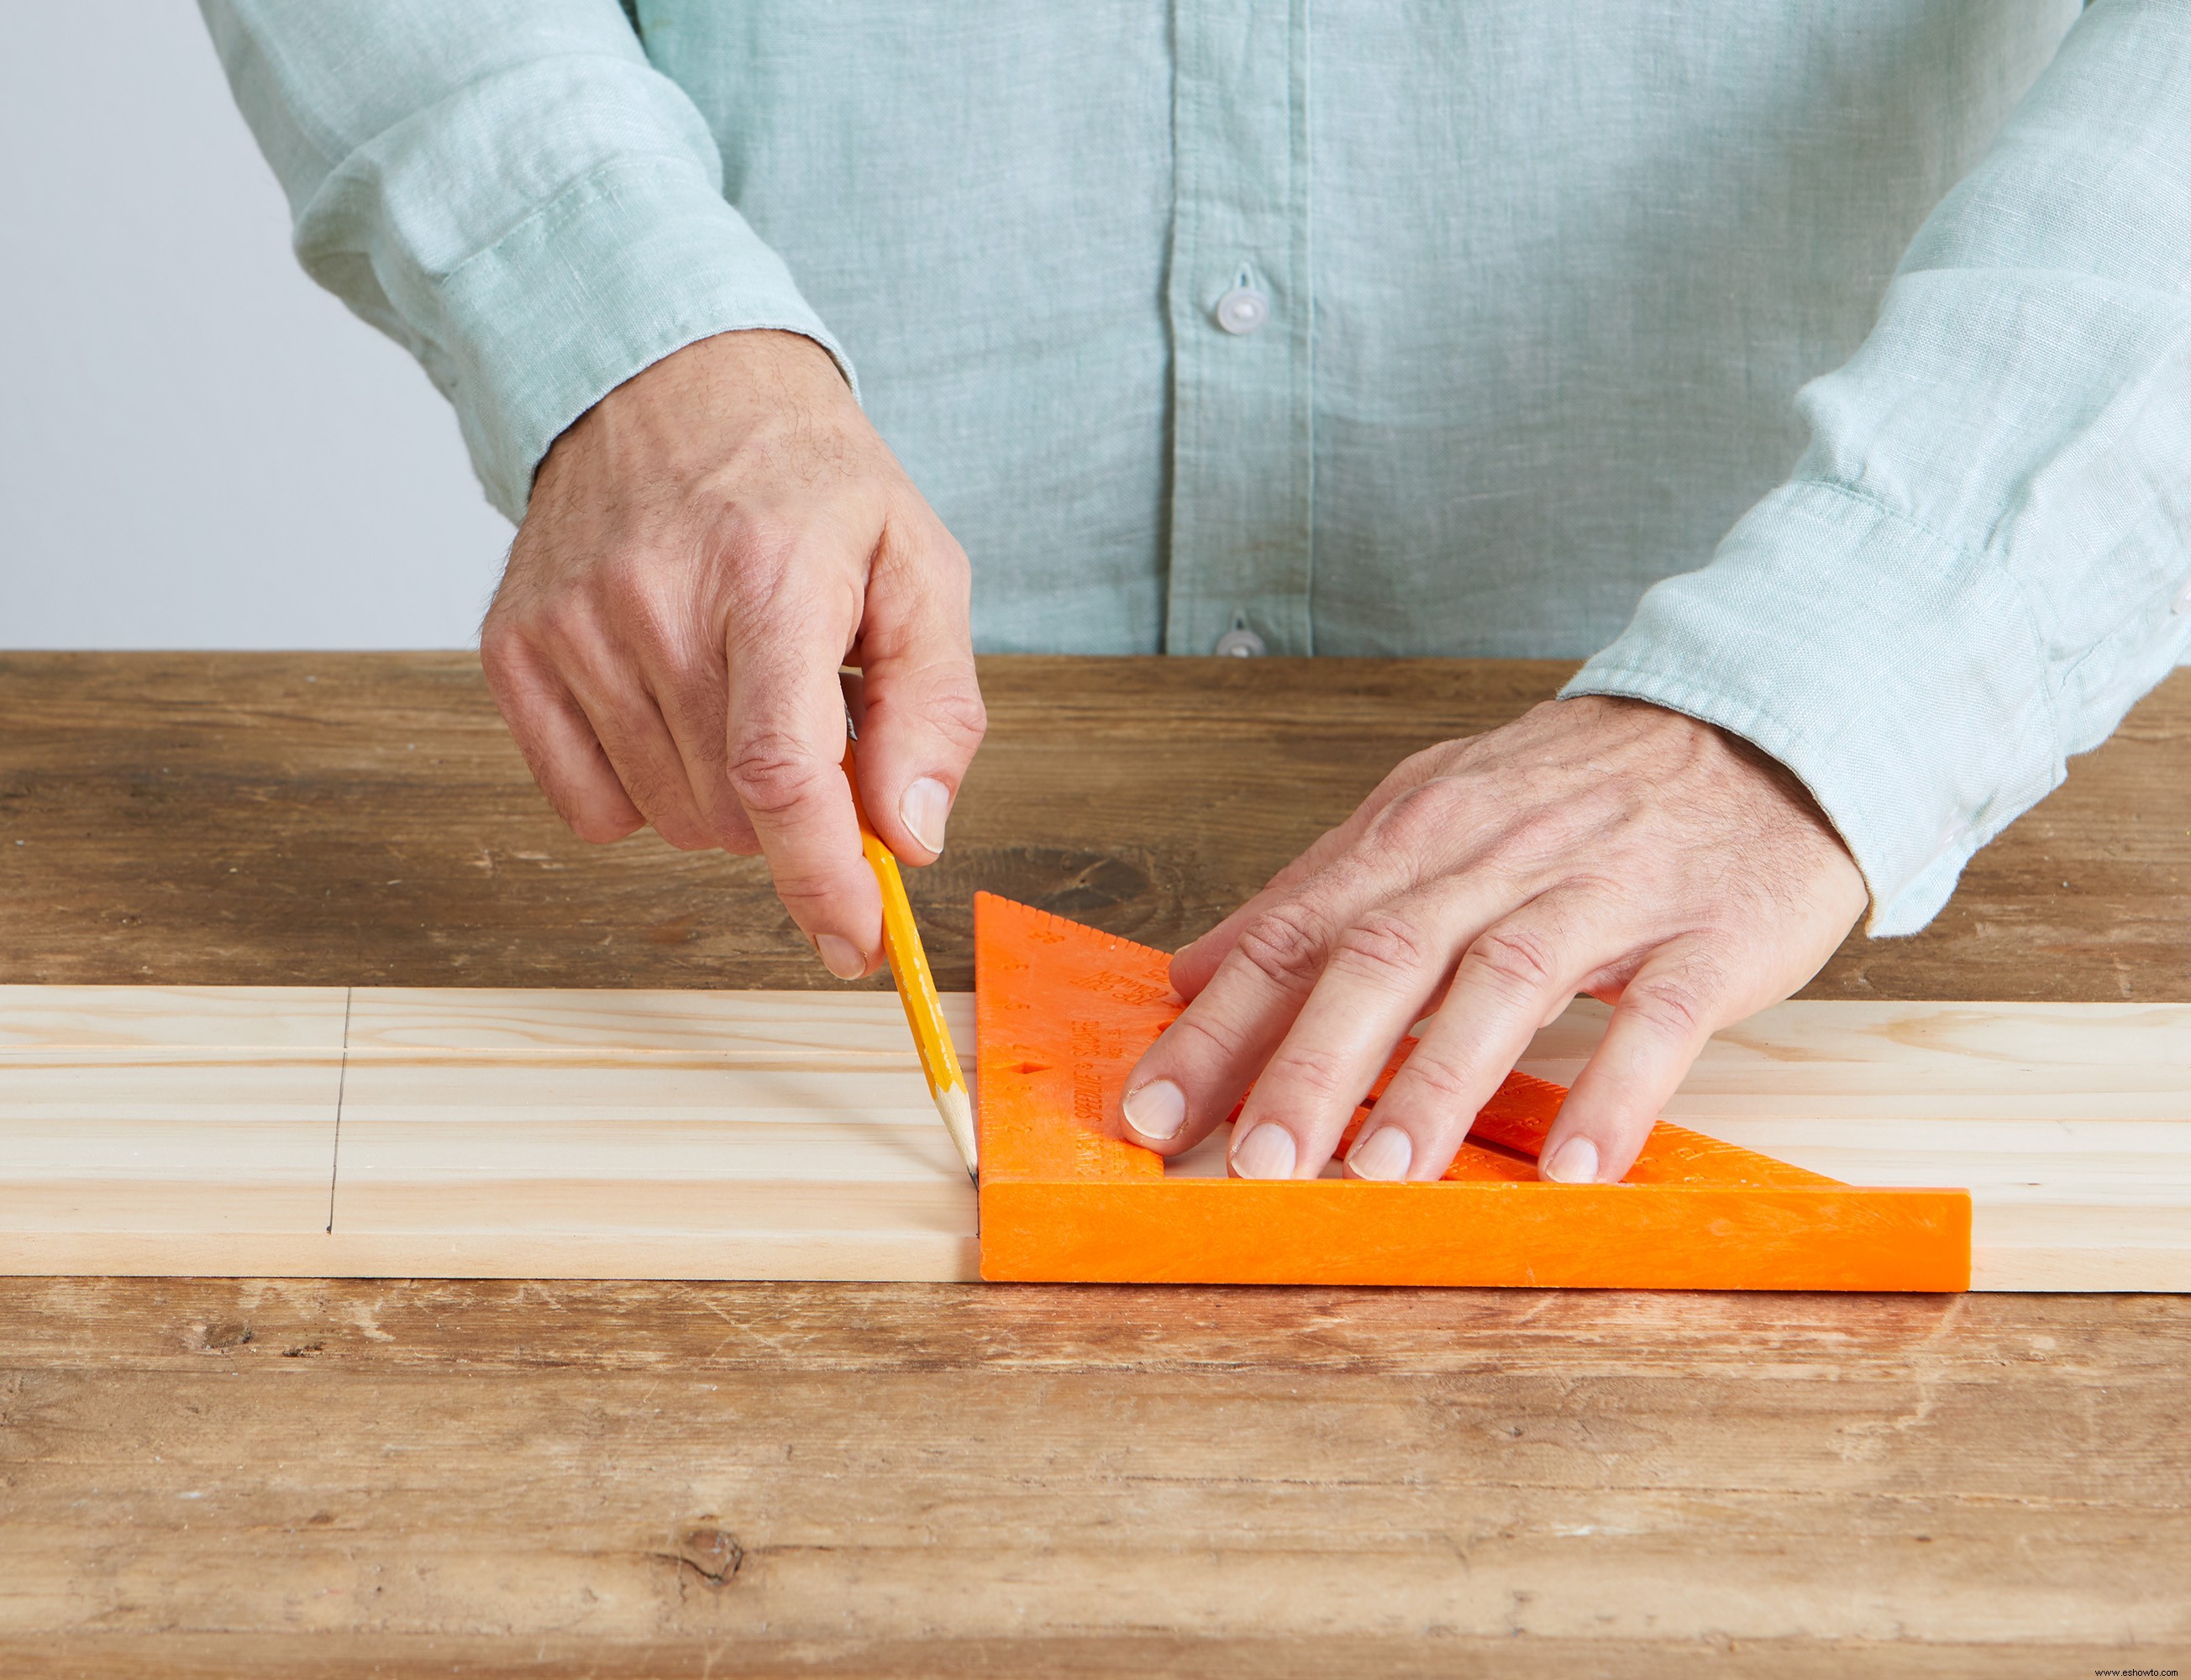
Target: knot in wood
(710, 1553)
(219, 1338)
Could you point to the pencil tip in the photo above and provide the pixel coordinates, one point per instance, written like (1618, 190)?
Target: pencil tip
(958, 1121)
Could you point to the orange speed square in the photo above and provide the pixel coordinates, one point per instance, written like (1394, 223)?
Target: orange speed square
(1065, 1011)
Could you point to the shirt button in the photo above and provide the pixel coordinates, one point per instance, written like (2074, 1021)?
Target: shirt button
(1240, 643)
(2182, 599)
(1241, 311)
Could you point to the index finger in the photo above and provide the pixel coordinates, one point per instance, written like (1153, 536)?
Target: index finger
(785, 749)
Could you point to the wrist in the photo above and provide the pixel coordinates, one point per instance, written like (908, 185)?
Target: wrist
(755, 360)
(681, 417)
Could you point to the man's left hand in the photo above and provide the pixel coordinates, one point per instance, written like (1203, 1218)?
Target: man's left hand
(1594, 845)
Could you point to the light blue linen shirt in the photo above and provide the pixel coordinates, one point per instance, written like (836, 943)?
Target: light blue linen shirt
(1396, 326)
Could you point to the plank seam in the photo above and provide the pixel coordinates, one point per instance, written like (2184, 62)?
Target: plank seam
(342, 1081)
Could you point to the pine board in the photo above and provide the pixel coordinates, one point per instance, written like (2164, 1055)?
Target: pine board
(397, 1131)
(452, 1133)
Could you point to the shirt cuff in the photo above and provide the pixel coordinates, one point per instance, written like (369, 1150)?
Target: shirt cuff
(636, 260)
(1899, 677)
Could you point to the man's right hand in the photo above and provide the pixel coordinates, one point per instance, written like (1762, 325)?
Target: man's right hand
(704, 548)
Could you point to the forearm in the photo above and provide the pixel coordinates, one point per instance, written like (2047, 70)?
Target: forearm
(508, 190)
(1981, 560)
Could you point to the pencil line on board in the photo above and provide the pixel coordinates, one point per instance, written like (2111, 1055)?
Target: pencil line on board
(342, 1081)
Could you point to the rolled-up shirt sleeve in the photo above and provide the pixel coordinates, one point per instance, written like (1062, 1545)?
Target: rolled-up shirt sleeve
(1984, 556)
(508, 190)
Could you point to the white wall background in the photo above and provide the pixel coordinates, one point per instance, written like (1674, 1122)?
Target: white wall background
(198, 448)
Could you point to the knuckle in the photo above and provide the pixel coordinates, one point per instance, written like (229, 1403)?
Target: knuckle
(522, 626)
(1418, 767)
(651, 783)
(685, 834)
(726, 825)
(600, 825)
(1317, 1073)
(1431, 764)
(957, 711)
(1386, 947)
(1588, 891)
(1415, 821)
(771, 773)
(1427, 1080)
(755, 547)
(621, 573)
(562, 626)
(647, 616)
(1201, 1039)
(517, 692)
(938, 552)
(695, 703)
(1673, 1005)
(1520, 959)
(499, 643)
(807, 897)
(1286, 945)
(949, 707)
(1538, 836)
(647, 604)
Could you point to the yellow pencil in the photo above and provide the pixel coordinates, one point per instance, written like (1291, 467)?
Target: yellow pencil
(916, 987)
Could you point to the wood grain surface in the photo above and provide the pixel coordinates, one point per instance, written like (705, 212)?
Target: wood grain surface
(267, 1477)
(363, 819)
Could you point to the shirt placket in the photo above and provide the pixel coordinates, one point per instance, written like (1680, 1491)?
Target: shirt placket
(1241, 315)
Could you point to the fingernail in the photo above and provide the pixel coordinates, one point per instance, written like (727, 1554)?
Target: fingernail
(1575, 1162)
(1157, 1109)
(1383, 1154)
(1268, 1152)
(924, 808)
(841, 956)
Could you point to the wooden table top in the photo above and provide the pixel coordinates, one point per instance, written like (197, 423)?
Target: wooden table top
(208, 1477)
